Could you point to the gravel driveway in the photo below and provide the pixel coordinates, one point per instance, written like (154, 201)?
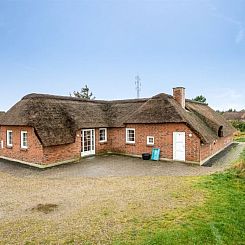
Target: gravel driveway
(89, 204)
(114, 165)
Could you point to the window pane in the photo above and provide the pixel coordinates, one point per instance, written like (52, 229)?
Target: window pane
(130, 135)
(102, 135)
(9, 138)
(24, 139)
(150, 140)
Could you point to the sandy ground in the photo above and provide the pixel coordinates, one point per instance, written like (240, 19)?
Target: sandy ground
(96, 199)
(89, 209)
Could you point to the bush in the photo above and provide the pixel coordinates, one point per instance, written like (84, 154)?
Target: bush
(238, 125)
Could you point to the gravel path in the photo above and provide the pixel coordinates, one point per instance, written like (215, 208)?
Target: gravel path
(224, 159)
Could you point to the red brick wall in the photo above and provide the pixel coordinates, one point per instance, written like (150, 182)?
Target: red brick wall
(116, 142)
(102, 147)
(59, 153)
(163, 135)
(210, 149)
(33, 153)
(36, 153)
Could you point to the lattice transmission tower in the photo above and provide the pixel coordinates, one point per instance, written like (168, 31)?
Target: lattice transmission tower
(138, 85)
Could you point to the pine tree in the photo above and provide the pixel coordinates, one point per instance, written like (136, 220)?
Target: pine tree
(84, 93)
(200, 98)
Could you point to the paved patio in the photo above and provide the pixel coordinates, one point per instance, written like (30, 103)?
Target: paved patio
(114, 165)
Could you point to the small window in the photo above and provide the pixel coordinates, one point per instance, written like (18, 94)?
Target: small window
(24, 139)
(130, 135)
(150, 140)
(220, 131)
(9, 138)
(103, 134)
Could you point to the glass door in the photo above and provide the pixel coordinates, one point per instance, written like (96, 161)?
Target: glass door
(88, 142)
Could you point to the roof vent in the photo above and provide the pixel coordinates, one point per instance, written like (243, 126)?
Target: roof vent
(179, 95)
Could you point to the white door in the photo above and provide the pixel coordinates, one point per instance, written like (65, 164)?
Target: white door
(179, 146)
(88, 142)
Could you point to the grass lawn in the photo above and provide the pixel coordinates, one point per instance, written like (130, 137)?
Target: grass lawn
(241, 139)
(126, 210)
(219, 220)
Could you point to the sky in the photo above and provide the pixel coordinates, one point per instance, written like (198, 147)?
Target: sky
(56, 47)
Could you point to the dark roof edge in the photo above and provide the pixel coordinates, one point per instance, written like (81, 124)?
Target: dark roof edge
(70, 98)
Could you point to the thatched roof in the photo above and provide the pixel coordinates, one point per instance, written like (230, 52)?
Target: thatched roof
(206, 121)
(1, 115)
(234, 115)
(56, 118)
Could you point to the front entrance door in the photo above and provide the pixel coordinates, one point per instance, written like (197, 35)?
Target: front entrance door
(179, 146)
(88, 142)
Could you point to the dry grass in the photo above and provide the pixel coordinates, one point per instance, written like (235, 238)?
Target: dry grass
(239, 165)
(91, 210)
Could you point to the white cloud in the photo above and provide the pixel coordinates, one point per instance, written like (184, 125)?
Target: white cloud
(228, 93)
(240, 35)
(238, 24)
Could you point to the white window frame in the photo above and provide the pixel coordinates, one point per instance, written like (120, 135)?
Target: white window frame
(127, 134)
(105, 140)
(148, 140)
(22, 140)
(9, 144)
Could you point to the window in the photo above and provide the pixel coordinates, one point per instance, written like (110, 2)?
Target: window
(220, 131)
(150, 140)
(103, 134)
(130, 135)
(9, 138)
(24, 139)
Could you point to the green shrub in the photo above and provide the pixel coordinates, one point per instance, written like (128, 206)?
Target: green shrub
(238, 125)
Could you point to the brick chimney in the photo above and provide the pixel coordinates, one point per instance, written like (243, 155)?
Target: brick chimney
(179, 95)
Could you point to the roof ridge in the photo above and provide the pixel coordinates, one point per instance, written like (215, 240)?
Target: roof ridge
(70, 98)
(58, 97)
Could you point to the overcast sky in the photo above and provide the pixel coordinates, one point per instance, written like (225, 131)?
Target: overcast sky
(56, 47)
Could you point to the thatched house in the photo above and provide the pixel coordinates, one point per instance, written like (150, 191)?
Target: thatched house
(235, 115)
(44, 130)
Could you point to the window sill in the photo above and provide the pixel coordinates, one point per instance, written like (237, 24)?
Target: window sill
(24, 149)
(9, 147)
(150, 145)
(129, 143)
(103, 142)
